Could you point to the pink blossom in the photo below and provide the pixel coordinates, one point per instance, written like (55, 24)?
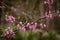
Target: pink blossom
(31, 25)
(22, 29)
(20, 24)
(50, 1)
(28, 24)
(57, 11)
(8, 31)
(42, 26)
(50, 12)
(13, 18)
(48, 15)
(45, 2)
(9, 18)
(59, 15)
(5, 36)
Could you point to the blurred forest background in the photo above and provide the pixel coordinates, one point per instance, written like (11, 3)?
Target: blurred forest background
(30, 11)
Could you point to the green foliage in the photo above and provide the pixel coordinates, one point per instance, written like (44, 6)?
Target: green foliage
(28, 35)
(51, 35)
(19, 35)
(32, 35)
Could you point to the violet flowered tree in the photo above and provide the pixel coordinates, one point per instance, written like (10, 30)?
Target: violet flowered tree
(30, 19)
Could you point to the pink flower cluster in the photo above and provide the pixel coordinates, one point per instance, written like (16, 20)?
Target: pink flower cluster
(42, 25)
(48, 15)
(8, 31)
(31, 25)
(21, 27)
(9, 18)
(48, 12)
(48, 1)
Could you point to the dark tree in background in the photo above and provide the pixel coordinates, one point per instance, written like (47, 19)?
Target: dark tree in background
(0, 11)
